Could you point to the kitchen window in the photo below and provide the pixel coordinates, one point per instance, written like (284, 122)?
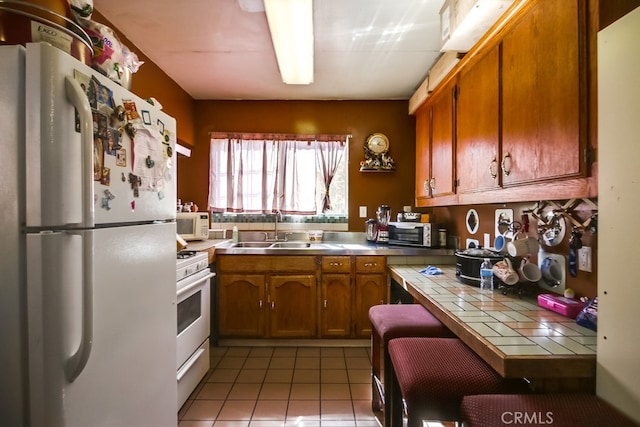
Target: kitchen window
(264, 173)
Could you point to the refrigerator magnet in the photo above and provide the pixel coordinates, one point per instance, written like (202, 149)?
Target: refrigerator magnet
(146, 117)
(108, 197)
(98, 158)
(121, 158)
(131, 111)
(106, 176)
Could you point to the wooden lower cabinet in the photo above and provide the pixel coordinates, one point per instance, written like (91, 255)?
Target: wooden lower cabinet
(350, 285)
(292, 306)
(242, 305)
(298, 297)
(335, 310)
(370, 290)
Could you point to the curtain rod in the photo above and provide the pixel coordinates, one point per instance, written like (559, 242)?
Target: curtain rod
(278, 136)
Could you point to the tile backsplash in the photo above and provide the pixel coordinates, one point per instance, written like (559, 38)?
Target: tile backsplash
(223, 222)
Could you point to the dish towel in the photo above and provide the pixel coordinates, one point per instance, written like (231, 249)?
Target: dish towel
(431, 271)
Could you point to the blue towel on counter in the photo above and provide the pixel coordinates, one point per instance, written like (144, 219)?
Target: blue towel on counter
(430, 270)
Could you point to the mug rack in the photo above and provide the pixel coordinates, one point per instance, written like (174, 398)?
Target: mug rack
(566, 210)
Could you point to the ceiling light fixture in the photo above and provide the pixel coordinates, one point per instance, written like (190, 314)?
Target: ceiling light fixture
(464, 23)
(291, 26)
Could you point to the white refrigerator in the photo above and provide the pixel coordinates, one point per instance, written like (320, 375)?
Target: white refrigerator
(87, 285)
(618, 369)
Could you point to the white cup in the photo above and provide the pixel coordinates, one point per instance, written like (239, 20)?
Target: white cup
(504, 271)
(529, 272)
(522, 245)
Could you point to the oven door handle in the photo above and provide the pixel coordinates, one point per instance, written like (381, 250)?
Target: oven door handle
(194, 284)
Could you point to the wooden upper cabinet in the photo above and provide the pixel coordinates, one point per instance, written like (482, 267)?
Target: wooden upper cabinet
(442, 140)
(423, 154)
(542, 79)
(435, 147)
(478, 125)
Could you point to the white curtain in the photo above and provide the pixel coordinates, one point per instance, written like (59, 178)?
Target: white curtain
(329, 155)
(262, 175)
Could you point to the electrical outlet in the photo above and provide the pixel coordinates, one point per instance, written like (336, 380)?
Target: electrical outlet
(363, 211)
(584, 258)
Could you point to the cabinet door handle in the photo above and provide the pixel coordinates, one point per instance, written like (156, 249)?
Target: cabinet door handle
(370, 264)
(335, 264)
(273, 305)
(493, 168)
(260, 304)
(432, 184)
(426, 186)
(324, 303)
(506, 164)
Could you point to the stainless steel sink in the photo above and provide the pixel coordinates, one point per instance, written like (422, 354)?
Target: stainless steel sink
(252, 244)
(291, 245)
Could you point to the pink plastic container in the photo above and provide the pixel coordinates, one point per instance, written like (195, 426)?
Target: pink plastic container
(566, 306)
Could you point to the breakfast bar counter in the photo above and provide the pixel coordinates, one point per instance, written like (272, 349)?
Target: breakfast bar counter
(513, 335)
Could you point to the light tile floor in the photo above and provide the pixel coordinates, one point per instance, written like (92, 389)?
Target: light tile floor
(283, 387)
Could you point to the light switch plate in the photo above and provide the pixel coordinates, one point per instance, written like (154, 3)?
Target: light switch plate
(363, 211)
(584, 259)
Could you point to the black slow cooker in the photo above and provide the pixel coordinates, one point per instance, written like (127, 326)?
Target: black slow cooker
(468, 264)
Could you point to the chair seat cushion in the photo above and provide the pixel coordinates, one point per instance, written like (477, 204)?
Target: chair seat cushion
(441, 369)
(566, 410)
(405, 320)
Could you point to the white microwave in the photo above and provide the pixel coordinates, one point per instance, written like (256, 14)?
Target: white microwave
(193, 225)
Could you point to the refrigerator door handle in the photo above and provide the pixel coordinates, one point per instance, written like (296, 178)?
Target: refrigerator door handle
(76, 363)
(79, 99)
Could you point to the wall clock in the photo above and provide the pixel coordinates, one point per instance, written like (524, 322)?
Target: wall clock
(377, 158)
(378, 143)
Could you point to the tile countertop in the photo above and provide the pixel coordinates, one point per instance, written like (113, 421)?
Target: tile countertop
(512, 334)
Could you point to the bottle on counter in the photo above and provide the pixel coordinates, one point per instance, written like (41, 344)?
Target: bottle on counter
(234, 234)
(442, 237)
(486, 276)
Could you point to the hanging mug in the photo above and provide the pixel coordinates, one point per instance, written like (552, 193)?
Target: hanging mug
(551, 271)
(529, 272)
(504, 271)
(522, 245)
(500, 243)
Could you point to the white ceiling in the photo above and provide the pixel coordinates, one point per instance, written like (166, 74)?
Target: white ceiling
(364, 49)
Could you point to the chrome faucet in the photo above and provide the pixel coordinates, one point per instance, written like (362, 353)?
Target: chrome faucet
(278, 217)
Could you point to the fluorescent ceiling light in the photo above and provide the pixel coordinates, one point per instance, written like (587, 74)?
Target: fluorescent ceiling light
(291, 26)
(465, 22)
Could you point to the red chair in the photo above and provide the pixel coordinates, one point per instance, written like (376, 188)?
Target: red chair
(390, 321)
(432, 375)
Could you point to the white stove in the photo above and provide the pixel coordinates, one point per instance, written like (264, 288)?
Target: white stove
(189, 263)
(193, 298)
